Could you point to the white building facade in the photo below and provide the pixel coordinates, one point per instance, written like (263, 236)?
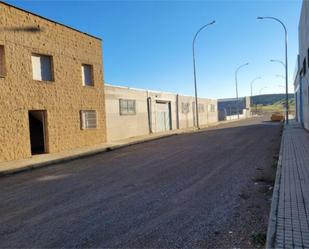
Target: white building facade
(136, 112)
(301, 77)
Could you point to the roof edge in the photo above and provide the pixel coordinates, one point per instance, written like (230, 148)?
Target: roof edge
(47, 19)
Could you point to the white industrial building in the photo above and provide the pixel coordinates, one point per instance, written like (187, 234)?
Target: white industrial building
(135, 112)
(301, 77)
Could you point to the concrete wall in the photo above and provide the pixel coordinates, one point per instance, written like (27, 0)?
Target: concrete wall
(207, 114)
(228, 108)
(245, 114)
(23, 34)
(186, 116)
(145, 119)
(124, 126)
(302, 76)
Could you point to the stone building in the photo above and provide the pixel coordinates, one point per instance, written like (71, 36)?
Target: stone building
(51, 85)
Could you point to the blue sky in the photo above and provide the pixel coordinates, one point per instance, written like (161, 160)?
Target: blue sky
(148, 44)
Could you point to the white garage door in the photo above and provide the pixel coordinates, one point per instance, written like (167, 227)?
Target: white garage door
(163, 122)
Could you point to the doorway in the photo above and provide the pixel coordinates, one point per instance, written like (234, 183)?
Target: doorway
(37, 129)
(163, 116)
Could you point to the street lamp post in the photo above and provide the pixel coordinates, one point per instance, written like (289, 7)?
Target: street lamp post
(236, 84)
(251, 84)
(262, 89)
(279, 61)
(285, 64)
(194, 71)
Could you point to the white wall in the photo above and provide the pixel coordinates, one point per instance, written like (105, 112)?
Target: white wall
(303, 53)
(206, 116)
(125, 126)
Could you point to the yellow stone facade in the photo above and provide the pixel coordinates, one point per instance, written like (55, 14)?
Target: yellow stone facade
(23, 34)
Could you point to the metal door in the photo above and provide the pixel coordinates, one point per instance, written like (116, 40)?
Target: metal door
(163, 122)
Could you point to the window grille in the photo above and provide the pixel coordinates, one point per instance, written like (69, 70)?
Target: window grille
(88, 119)
(127, 107)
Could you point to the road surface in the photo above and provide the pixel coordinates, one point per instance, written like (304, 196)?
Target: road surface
(180, 191)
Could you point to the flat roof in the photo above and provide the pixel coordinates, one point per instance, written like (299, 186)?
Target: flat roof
(152, 91)
(9, 5)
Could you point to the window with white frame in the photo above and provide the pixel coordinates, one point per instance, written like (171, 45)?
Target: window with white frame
(42, 67)
(2, 62)
(88, 119)
(127, 107)
(185, 108)
(87, 75)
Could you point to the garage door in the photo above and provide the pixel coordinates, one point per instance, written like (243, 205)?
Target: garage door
(163, 122)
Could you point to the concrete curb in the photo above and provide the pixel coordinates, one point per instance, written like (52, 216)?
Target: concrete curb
(80, 155)
(272, 221)
(65, 159)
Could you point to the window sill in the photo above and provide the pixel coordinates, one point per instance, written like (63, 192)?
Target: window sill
(127, 114)
(44, 81)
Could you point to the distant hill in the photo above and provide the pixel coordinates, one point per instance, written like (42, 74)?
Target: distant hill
(270, 99)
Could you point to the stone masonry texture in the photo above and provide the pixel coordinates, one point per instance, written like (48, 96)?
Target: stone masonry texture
(23, 34)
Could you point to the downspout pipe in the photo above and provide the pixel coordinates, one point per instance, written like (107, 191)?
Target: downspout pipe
(149, 113)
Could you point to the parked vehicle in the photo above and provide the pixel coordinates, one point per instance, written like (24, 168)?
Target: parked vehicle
(277, 117)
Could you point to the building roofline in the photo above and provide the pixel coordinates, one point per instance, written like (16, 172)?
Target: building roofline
(154, 91)
(29, 12)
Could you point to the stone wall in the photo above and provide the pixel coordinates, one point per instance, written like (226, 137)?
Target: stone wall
(23, 34)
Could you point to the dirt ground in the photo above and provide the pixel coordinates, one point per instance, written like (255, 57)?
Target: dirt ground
(248, 226)
(210, 189)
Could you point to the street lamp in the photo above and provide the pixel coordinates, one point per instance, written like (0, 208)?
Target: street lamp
(194, 70)
(262, 89)
(279, 61)
(236, 84)
(285, 64)
(251, 84)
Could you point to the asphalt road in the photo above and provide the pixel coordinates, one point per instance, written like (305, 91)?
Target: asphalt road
(173, 192)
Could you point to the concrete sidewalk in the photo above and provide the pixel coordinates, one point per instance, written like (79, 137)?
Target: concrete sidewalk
(289, 218)
(37, 161)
